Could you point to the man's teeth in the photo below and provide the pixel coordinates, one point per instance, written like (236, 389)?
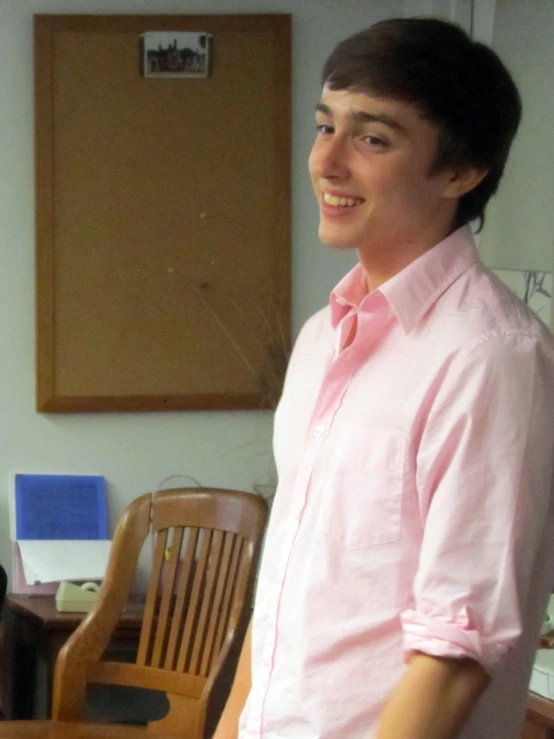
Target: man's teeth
(342, 202)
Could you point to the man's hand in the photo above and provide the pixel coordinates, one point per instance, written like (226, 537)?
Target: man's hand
(433, 699)
(228, 726)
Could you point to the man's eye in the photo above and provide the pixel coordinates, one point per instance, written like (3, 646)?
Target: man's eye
(375, 141)
(324, 128)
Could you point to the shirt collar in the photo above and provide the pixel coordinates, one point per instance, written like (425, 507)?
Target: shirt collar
(348, 294)
(412, 291)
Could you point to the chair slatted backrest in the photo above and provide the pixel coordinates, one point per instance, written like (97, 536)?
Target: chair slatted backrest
(206, 546)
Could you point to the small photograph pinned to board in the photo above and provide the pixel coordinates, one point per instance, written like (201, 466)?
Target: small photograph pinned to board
(175, 54)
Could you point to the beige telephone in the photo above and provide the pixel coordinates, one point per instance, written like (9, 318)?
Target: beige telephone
(76, 598)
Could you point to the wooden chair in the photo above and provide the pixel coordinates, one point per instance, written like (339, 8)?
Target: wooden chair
(207, 544)
(3, 587)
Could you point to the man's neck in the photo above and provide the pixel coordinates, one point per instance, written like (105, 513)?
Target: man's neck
(383, 263)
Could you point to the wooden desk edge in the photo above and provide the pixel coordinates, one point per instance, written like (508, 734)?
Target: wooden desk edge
(23, 606)
(540, 709)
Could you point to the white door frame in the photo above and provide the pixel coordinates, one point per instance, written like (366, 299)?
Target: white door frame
(475, 16)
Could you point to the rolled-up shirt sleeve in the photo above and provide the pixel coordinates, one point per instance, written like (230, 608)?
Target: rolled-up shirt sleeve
(484, 478)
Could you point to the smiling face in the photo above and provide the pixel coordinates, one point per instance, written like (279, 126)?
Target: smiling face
(370, 167)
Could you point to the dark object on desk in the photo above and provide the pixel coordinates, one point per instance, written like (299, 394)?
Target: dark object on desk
(3, 586)
(206, 550)
(539, 720)
(70, 730)
(34, 633)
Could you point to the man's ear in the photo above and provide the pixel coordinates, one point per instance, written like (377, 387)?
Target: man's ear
(462, 180)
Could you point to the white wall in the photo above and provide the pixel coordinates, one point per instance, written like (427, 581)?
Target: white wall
(519, 226)
(135, 451)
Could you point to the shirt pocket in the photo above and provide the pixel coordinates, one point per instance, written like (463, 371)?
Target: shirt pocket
(366, 508)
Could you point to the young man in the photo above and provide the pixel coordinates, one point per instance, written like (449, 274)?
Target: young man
(410, 551)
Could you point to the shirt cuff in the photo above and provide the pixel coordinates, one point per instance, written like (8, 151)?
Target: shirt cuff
(441, 638)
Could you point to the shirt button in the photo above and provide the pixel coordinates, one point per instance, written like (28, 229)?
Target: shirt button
(319, 430)
(297, 512)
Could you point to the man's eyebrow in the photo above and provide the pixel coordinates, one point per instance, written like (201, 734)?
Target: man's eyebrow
(361, 116)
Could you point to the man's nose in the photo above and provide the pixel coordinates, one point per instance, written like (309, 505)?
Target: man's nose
(334, 158)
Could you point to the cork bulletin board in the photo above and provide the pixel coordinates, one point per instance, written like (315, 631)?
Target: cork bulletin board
(163, 211)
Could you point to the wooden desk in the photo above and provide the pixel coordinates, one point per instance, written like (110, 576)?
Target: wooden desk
(34, 634)
(69, 730)
(539, 719)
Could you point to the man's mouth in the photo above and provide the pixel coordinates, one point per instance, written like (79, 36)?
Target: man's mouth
(337, 202)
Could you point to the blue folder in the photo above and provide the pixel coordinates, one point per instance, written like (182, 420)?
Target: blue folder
(60, 507)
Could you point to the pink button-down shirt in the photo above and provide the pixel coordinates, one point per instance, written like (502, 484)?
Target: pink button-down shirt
(414, 507)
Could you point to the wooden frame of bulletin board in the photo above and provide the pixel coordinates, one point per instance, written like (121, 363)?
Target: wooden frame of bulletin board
(163, 212)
